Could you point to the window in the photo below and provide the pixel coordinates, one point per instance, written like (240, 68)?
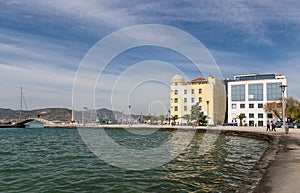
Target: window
(260, 115)
(273, 91)
(260, 105)
(260, 123)
(251, 123)
(200, 91)
(251, 105)
(233, 106)
(242, 105)
(185, 91)
(176, 92)
(238, 92)
(251, 115)
(175, 100)
(185, 100)
(193, 91)
(185, 108)
(200, 108)
(192, 100)
(270, 116)
(176, 108)
(255, 92)
(200, 99)
(243, 114)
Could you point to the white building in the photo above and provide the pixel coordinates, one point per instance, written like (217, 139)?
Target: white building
(247, 94)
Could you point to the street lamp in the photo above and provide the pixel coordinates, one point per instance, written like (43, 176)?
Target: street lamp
(129, 106)
(169, 111)
(283, 109)
(207, 104)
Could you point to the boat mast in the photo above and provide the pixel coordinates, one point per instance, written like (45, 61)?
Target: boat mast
(21, 103)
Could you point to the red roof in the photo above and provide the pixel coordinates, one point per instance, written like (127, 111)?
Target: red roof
(198, 80)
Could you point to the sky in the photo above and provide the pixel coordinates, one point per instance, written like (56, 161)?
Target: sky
(44, 46)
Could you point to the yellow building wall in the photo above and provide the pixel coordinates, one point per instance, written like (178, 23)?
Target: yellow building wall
(213, 99)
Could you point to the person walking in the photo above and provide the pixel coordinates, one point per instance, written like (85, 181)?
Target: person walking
(273, 126)
(268, 126)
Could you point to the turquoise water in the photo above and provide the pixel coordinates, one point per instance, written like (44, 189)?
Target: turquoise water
(56, 160)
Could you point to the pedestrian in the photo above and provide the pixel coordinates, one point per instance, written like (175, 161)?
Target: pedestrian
(268, 126)
(273, 126)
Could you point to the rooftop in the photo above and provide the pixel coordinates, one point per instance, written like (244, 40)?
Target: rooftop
(258, 76)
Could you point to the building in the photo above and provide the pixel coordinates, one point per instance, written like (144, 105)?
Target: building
(247, 95)
(210, 94)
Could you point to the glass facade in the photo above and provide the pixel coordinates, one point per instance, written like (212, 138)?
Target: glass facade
(256, 77)
(238, 92)
(273, 91)
(255, 92)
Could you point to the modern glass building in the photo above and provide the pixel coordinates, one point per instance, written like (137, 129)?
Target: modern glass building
(247, 94)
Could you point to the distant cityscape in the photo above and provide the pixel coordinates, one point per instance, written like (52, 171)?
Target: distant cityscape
(221, 102)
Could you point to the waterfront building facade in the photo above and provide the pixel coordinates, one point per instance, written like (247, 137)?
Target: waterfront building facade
(247, 95)
(209, 94)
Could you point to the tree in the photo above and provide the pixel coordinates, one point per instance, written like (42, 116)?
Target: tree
(174, 118)
(198, 115)
(292, 108)
(187, 117)
(241, 117)
(161, 118)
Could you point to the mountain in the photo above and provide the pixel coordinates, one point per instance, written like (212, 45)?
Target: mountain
(61, 114)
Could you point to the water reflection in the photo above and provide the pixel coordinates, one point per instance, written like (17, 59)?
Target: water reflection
(56, 160)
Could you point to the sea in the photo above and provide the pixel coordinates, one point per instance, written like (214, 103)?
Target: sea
(59, 160)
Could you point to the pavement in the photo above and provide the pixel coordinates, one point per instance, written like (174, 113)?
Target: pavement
(282, 175)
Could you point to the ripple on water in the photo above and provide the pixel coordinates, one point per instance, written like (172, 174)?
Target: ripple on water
(56, 160)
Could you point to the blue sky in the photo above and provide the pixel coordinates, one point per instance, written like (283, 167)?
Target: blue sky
(42, 44)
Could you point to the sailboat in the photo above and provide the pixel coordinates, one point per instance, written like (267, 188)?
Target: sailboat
(22, 100)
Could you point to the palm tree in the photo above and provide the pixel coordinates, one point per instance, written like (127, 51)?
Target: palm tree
(174, 118)
(241, 117)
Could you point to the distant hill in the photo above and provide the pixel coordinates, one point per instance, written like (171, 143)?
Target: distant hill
(61, 114)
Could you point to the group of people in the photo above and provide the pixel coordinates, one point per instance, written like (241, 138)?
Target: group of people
(271, 126)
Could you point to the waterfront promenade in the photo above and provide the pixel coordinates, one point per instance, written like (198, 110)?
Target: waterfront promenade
(283, 173)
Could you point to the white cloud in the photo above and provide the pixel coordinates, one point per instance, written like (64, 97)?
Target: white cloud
(43, 63)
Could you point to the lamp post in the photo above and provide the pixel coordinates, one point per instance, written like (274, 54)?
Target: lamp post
(169, 117)
(286, 129)
(207, 104)
(129, 106)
